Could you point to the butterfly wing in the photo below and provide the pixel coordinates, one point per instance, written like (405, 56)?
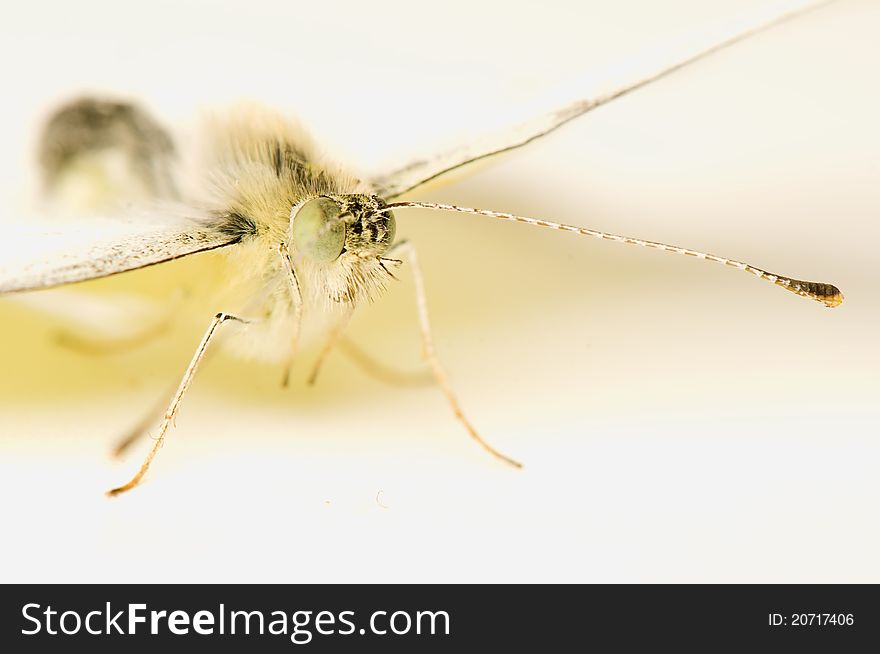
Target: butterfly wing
(592, 92)
(35, 256)
(42, 255)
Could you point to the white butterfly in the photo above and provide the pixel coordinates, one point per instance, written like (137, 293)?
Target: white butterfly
(307, 237)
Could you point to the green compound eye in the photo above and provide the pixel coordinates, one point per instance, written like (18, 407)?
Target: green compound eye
(317, 231)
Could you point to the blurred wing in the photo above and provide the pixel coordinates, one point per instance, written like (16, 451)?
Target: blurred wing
(42, 255)
(591, 93)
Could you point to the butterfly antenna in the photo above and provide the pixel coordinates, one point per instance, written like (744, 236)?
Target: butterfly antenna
(828, 294)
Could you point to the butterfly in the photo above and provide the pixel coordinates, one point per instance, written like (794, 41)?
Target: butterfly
(306, 236)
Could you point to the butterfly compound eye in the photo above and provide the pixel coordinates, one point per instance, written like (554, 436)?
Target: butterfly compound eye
(318, 231)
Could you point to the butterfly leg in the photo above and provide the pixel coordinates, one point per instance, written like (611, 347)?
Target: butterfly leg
(171, 411)
(72, 341)
(381, 371)
(408, 252)
(296, 301)
(332, 339)
(143, 335)
(140, 429)
(367, 363)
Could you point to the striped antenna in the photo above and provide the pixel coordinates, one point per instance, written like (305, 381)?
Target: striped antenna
(828, 294)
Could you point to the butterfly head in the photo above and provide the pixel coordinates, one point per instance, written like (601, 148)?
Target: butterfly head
(344, 238)
(326, 227)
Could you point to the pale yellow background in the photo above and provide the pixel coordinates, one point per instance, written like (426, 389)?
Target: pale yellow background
(679, 421)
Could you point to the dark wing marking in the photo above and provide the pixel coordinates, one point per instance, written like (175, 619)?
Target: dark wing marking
(594, 92)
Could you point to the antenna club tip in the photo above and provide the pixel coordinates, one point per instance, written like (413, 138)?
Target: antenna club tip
(835, 299)
(827, 294)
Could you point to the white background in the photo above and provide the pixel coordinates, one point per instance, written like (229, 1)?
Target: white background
(678, 421)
